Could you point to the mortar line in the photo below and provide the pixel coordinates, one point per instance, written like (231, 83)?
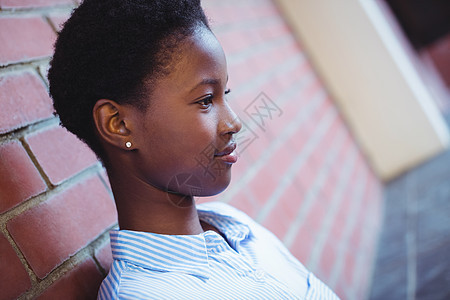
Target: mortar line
(47, 19)
(15, 67)
(36, 163)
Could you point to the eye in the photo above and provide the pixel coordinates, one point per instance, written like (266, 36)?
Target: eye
(206, 102)
(227, 91)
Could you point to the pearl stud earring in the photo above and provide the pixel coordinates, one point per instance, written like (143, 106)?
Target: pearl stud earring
(128, 144)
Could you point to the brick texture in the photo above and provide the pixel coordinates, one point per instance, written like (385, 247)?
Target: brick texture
(19, 179)
(23, 100)
(67, 222)
(25, 39)
(14, 278)
(82, 282)
(60, 153)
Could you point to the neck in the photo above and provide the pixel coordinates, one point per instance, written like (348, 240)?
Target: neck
(143, 207)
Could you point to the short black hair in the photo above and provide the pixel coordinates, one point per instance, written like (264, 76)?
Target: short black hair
(107, 48)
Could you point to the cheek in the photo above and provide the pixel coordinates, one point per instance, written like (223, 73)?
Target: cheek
(178, 145)
(189, 164)
(187, 138)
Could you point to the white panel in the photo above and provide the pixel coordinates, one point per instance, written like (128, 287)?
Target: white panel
(366, 69)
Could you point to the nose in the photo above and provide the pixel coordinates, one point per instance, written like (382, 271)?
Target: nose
(230, 122)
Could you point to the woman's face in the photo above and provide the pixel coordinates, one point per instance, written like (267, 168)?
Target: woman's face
(185, 139)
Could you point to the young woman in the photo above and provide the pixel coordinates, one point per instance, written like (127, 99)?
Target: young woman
(144, 84)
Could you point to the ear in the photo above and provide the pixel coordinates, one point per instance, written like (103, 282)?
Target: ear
(112, 124)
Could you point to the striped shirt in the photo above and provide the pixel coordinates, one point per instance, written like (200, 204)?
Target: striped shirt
(251, 263)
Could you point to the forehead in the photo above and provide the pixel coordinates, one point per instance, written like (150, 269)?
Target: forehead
(198, 58)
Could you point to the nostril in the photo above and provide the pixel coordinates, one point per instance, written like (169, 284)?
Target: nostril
(235, 126)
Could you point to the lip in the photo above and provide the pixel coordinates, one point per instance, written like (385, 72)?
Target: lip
(228, 154)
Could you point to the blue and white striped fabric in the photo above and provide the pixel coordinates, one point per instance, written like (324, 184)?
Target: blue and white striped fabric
(250, 264)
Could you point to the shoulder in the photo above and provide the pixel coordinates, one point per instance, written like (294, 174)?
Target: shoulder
(318, 288)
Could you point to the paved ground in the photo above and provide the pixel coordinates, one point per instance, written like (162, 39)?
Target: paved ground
(414, 250)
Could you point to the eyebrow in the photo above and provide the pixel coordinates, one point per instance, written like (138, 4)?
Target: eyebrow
(207, 81)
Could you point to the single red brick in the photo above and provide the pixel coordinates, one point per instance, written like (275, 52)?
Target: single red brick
(54, 230)
(82, 282)
(19, 179)
(31, 3)
(14, 278)
(25, 39)
(104, 256)
(23, 100)
(60, 153)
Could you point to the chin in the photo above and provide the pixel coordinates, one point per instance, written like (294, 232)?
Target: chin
(214, 187)
(202, 185)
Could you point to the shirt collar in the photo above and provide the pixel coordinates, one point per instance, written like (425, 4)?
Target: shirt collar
(234, 231)
(179, 253)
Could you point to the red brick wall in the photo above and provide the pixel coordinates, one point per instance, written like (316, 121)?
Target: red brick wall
(300, 172)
